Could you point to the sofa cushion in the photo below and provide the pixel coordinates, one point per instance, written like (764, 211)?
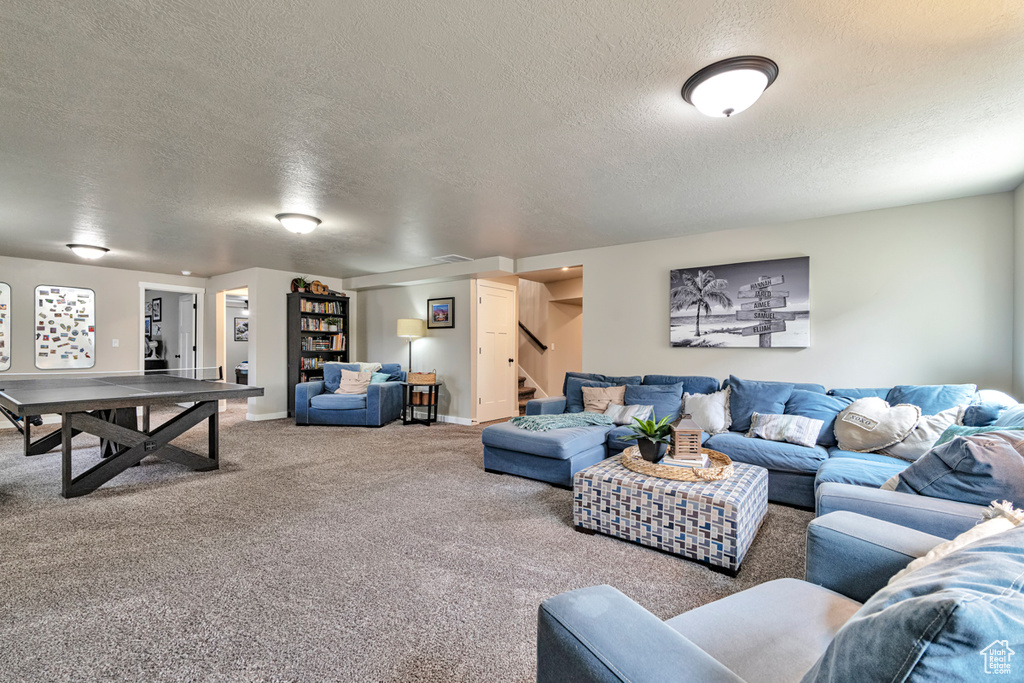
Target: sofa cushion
(986, 407)
(394, 371)
(803, 431)
(932, 398)
(804, 618)
(1011, 417)
(625, 415)
(837, 453)
(667, 399)
(936, 623)
(621, 380)
(925, 435)
(560, 444)
(772, 455)
(332, 374)
(616, 441)
(574, 393)
(709, 411)
(871, 424)
(854, 394)
(749, 396)
(596, 399)
(818, 407)
(692, 384)
(589, 376)
(954, 431)
(970, 469)
(857, 472)
(806, 386)
(338, 401)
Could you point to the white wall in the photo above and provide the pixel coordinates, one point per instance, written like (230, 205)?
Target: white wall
(1018, 290)
(916, 294)
(446, 350)
(117, 307)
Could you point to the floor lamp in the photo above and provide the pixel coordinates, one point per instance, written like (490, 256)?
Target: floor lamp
(411, 328)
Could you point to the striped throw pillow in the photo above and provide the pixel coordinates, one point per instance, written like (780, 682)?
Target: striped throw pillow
(795, 429)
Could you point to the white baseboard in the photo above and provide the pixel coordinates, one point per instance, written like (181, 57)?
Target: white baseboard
(266, 416)
(452, 419)
(47, 420)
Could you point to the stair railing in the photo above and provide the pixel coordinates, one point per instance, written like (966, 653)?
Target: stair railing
(533, 337)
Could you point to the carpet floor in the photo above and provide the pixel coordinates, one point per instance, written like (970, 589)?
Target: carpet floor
(313, 554)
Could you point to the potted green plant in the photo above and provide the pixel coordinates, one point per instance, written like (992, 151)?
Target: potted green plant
(299, 284)
(652, 438)
(332, 324)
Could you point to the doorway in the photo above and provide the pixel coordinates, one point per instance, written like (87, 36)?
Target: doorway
(236, 337)
(170, 330)
(551, 329)
(496, 350)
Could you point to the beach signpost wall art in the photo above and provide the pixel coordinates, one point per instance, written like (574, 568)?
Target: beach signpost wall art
(753, 304)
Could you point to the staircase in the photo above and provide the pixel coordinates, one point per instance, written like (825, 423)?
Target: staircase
(525, 394)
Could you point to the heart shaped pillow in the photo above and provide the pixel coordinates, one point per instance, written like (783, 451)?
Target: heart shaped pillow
(869, 424)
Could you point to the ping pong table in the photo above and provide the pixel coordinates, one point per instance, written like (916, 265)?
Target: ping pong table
(106, 406)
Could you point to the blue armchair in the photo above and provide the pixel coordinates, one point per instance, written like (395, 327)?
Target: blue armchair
(317, 404)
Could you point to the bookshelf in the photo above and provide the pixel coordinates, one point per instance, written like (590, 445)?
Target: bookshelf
(310, 342)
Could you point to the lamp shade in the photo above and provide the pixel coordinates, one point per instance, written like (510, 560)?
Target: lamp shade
(411, 327)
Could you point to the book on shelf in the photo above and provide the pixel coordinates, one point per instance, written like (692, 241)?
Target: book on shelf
(688, 461)
(321, 307)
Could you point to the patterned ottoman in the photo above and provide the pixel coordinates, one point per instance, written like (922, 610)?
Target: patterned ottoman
(712, 522)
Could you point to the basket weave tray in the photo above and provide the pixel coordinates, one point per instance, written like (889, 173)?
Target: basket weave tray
(721, 467)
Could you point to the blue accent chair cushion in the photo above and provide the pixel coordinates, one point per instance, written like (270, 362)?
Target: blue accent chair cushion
(749, 396)
(854, 394)
(332, 374)
(1011, 417)
(932, 398)
(818, 407)
(970, 469)
(935, 623)
(338, 402)
(560, 444)
(772, 455)
(574, 393)
(692, 384)
(667, 399)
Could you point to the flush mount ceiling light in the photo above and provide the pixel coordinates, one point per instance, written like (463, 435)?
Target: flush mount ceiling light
(87, 251)
(298, 223)
(730, 86)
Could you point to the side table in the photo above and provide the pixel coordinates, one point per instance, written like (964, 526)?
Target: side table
(408, 407)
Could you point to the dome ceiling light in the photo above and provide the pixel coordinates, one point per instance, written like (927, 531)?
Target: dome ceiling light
(730, 86)
(87, 251)
(299, 223)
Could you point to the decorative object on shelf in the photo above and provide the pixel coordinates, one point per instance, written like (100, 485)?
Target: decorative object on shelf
(299, 223)
(719, 467)
(686, 437)
(441, 313)
(332, 324)
(5, 326)
(87, 251)
(422, 377)
(65, 328)
(652, 438)
(730, 86)
(410, 329)
(299, 284)
(241, 329)
(740, 305)
(157, 308)
(317, 287)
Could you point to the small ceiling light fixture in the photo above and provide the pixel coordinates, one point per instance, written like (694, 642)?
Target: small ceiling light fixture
(730, 86)
(565, 267)
(87, 251)
(299, 223)
(186, 272)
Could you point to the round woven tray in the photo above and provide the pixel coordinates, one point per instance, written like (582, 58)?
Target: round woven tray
(721, 467)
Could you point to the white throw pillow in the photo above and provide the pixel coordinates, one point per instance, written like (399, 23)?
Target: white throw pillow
(623, 415)
(928, 430)
(709, 411)
(795, 429)
(597, 399)
(353, 382)
(869, 424)
(1002, 517)
(369, 367)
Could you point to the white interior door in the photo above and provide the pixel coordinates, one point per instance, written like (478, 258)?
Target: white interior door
(186, 356)
(496, 357)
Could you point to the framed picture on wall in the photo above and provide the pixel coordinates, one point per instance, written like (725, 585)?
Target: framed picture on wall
(242, 329)
(157, 306)
(441, 313)
(149, 308)
(149, 325)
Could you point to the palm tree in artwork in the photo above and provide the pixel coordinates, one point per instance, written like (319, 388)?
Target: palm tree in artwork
(702, 291)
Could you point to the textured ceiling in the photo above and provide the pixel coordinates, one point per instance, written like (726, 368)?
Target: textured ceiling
(173, 131)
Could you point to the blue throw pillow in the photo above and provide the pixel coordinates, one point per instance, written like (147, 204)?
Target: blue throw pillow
(818, 407)
(1011, 417)
(805, 386)
(932, 398)
(589, 376)
(332, 374)
(394, 371)
(748, 396)
(667, 399)
(946, 621)
(620, 381)
(692, 384)
(971, 469)
(854, 394)
(574, 392)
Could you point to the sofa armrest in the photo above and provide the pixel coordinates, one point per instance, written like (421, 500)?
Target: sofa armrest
(597, 634)
(938, 516)
(856, 555)
(383, 403)
(552, 405)
(304, 391)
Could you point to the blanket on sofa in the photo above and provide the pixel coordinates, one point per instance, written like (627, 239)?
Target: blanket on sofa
(543, 423)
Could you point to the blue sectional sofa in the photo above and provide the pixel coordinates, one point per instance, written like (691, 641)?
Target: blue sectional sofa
(842, 623)
(795, 472)
(317, 404)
